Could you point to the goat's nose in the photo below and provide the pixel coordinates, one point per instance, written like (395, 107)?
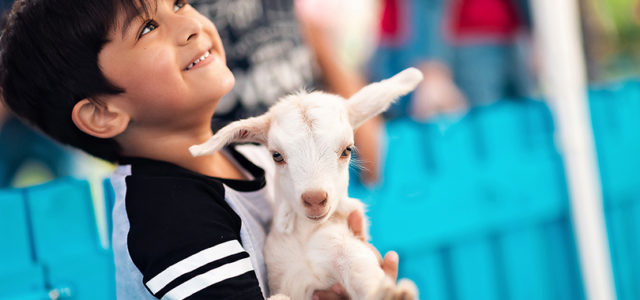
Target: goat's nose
(315, 198)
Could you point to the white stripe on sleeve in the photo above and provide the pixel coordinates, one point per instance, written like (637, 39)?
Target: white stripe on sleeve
(214, 276)
(193, 262)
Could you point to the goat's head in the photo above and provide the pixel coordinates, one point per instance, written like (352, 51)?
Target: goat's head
(310, 136)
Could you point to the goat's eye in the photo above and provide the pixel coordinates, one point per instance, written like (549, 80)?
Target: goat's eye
(347, 151)
(277, 157)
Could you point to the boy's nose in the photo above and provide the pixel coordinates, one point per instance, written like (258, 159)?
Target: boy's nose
(187, 30)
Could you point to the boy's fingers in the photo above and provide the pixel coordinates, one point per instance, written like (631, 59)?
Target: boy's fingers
(325, 295)
(355, 223)
(390, 265)
(337, 292)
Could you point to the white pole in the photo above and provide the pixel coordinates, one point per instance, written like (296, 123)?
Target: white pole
(564, 80)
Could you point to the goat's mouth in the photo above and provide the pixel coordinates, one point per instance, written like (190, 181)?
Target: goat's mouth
(318, 218)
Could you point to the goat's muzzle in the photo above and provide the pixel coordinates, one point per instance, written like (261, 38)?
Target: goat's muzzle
(315, 204)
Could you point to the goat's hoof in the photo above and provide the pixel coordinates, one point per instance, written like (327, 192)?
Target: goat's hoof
(405, 290)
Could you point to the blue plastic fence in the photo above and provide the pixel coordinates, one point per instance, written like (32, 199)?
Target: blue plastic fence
(478, 207)
(49, 245)
(616, 122)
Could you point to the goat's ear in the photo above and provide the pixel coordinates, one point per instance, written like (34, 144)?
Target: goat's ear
(376, 97)
(251, 130)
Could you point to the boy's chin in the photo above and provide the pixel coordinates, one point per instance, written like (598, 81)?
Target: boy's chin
(224, 83)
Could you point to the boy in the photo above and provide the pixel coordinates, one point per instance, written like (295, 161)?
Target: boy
(136, 82)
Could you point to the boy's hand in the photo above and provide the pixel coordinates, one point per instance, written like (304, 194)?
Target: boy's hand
(389, 264)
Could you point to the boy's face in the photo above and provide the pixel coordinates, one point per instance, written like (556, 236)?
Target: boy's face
(172, 66)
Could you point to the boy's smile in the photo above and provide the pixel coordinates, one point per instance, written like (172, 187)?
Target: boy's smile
(170, 63)
(200, 61)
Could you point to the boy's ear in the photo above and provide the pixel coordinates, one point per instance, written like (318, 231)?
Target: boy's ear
(98, 120)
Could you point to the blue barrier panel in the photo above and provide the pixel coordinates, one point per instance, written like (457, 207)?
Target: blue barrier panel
(539, 126)
(429, 271)
(450, 147)
(565, 277)
(475, 269)
(526, 264)
(66, 239)
(634, 236)
(20, 275)
(109, 201)
(501, 130)
(15, 244)
(25, 282)
(86, 276)
(434, 177)
(403, 142)
(615, 109)
(63, 219)
(627, 94)
(622, 255)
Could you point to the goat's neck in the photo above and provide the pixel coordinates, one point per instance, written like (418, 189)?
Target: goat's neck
(303, 227)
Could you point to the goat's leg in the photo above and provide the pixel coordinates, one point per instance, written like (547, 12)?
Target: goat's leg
(368, 281)
(363, 277)
(289, 271)
(300, 283)
(359, 271)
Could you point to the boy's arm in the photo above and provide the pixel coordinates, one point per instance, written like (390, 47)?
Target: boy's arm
(185, 242)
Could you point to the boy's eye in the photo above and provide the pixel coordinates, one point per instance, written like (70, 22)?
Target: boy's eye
(152, 25)
(179, 4)
(148, 27)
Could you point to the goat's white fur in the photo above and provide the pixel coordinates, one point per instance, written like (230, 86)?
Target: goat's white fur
(311, 131)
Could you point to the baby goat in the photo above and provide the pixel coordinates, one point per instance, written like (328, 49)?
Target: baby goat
(310, 135)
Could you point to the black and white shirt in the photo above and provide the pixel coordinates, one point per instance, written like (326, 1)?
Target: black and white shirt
(182, 235)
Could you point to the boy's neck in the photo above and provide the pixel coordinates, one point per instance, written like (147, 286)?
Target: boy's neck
(174, 148)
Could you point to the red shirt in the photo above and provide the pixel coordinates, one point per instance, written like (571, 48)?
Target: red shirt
(391, 28)
(484, 18)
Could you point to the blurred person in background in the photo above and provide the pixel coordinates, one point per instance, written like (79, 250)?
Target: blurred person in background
(278, 47)
(596, 38)
(611, 35)
(472, 52)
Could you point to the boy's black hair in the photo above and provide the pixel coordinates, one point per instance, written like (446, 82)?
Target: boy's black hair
(49, 62)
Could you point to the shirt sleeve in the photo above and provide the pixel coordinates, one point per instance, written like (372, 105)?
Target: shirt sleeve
(185, 240)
